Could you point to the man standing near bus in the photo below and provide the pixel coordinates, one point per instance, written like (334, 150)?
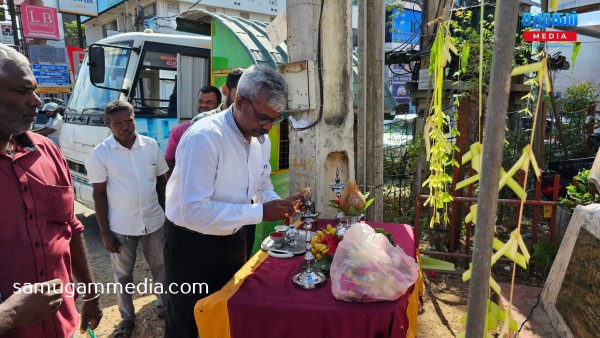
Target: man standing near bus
(206, 240)
(209, 98)
(127, 175)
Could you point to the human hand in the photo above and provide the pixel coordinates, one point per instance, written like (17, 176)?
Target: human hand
(32, 307)
(111, 242)
(277, 209)
(90, 313)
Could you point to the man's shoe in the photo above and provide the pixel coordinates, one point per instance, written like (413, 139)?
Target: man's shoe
(124, 329)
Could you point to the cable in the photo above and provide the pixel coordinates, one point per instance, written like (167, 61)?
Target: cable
(529, 315)
(320, 66)
(194, 5)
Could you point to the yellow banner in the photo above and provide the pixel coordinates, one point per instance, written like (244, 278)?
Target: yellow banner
(53, 90)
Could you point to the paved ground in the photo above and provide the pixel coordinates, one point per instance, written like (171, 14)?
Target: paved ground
(147, 323)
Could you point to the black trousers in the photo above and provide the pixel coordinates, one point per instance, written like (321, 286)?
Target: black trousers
(192, 257)
(250, 238)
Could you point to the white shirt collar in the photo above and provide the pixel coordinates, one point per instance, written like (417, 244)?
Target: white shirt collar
(113, 143)
(231, 121)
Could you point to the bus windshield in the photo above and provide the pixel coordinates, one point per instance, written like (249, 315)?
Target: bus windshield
(89, 99)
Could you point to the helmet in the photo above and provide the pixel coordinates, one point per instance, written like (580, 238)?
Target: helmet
(51, 106)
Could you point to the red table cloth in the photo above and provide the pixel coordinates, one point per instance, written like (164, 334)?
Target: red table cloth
(268, 304)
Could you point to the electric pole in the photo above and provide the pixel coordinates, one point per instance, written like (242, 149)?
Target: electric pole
(13, 20)
(317, 152)
(371, 18)
(139, 17)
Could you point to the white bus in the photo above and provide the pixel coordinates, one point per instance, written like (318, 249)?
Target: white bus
(159, 74)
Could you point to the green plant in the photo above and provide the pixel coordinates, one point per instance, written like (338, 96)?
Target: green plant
(71, 35)
(582, 192)
(544, 253)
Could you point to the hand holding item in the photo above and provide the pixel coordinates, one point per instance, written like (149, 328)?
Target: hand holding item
(91, 313)
(37, 302)
(277, 209)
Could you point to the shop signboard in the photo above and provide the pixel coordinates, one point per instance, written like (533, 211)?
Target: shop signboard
(40, 22)
(81, 7)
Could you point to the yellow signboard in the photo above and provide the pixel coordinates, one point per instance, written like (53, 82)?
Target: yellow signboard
(547, 211)
(53, 90)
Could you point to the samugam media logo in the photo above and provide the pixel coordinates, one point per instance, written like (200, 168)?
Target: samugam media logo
(539, 22)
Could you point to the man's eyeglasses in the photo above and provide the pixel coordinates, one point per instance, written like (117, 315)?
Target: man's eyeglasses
(262, 120)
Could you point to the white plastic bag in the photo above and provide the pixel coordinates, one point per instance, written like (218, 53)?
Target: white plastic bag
(367, 268)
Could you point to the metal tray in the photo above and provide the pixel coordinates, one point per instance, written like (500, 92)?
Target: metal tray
(300, 247)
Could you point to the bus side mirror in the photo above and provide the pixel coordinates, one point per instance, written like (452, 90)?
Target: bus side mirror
(96, 64)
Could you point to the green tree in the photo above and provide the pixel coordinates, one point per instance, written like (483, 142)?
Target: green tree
(574, 105)
(71, 37)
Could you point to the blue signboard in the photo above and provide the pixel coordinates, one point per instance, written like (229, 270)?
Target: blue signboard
(399, 75)
(53, 80)
(47, 67)
(52, 77)
(405, 26)
(47, 74)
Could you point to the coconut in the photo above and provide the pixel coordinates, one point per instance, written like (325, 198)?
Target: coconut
(352, 197)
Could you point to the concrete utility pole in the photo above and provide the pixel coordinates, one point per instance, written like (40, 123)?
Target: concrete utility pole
(371, 25)
(139, 17)
(317, 152)
(13, 20)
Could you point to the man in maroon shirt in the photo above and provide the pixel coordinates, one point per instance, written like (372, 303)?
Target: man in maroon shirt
(41, 240)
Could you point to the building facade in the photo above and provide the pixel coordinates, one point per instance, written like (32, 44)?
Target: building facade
(118, 16)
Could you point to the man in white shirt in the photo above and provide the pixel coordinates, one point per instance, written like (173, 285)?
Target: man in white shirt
(55, 122)
(222, 165)
(127, 174)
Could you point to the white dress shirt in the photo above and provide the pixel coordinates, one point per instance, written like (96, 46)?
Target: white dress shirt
(217, 175)
(130, 176)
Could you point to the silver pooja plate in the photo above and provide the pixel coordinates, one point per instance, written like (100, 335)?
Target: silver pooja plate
(300, 247)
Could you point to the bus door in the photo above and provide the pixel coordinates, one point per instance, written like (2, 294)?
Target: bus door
(193, 73)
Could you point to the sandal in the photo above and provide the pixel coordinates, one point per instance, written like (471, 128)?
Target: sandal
(124, 329)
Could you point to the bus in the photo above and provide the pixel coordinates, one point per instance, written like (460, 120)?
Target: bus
(160, 75)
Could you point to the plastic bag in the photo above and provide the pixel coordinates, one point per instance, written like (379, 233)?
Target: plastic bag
(367, 268)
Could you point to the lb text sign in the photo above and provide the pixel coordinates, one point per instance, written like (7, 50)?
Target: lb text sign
(40, 22)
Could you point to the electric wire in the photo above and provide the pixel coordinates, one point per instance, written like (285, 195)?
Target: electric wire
(320, 66)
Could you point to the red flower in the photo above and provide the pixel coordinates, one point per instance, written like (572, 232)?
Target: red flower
(332, 242)
(338, 200)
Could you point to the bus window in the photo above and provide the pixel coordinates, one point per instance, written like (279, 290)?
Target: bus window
(89, 99)
(153, 90)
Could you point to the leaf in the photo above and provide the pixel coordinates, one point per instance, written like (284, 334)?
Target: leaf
(436, 264)
(464, 57)
(576, 49)
(495, 286)
(534, 163)
(522, 245)
(466, 275)
(530, 68)
(467, 182)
